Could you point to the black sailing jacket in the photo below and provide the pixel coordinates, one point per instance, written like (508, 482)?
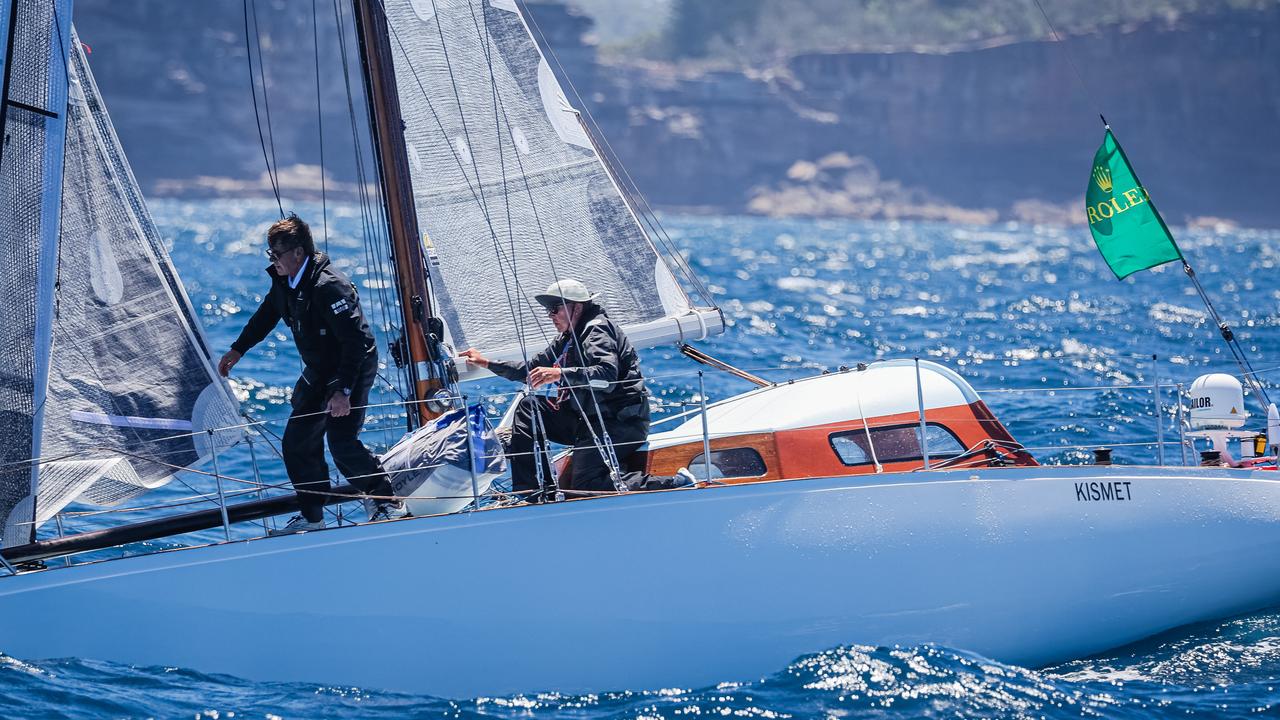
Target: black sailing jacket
(324, 314)
(601, 352)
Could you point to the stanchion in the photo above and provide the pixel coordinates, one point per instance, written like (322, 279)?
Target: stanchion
(706, 431)
(257, 479)
(924, 436)
(66, 559)
(1182, 428)
(471, 455)
(217, 476)
(1155, 394)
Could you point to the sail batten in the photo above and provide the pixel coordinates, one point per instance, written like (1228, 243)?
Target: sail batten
(508, 185)
(513, 183)
(131, 384)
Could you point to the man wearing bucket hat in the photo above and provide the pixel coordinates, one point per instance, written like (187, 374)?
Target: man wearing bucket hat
(595, 373)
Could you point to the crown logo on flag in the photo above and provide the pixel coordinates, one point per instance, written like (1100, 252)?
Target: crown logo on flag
(1102, 176)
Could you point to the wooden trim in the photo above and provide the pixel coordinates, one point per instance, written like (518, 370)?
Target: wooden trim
(667, 460)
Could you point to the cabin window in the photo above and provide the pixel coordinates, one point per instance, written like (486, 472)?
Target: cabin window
(730, 463)
(898, 443)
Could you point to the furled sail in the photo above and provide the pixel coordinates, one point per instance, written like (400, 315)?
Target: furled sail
(132, 390)
(34, 37)
(510, 192)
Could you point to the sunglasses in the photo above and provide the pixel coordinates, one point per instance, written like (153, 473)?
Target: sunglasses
(274, 255)
(553, 309)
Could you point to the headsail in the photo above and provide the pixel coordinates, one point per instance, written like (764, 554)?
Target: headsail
(510, 193)
(132, 389)
(34, 38)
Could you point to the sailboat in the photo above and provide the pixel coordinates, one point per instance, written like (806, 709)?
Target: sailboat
(880, 504)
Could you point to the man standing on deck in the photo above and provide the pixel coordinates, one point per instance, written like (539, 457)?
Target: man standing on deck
(593, 367)
(340, 362)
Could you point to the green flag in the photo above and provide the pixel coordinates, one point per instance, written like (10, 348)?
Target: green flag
(1125, 225)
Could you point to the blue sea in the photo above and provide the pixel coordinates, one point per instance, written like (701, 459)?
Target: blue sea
(1062, 352)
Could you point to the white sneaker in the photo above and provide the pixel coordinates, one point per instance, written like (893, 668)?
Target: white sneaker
(298, 524)
(689, 477)
(389, 511)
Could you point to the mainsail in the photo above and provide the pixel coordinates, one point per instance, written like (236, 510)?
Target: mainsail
(34, 38)
(132, 390)
(510, 193)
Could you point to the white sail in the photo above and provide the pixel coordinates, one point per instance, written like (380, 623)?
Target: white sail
(35, 98)
(510, 193)
(132, 390)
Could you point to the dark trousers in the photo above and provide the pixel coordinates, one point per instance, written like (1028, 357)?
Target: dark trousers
(303, 444)
(566, 426)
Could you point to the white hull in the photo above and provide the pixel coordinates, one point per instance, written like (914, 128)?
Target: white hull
(683, 588)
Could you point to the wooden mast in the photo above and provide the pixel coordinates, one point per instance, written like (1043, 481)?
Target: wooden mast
(420, 347)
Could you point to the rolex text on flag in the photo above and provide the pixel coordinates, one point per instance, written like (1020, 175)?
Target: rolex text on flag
(1129, 232)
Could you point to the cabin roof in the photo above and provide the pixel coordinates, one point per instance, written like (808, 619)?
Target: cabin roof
(884, 388)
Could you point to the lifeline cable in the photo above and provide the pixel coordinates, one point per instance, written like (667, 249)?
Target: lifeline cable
(477, 191)
(603, 443)
(537, 423)
(542, 442)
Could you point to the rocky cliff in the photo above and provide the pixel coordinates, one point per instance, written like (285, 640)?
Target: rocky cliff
(975, 133)
(1005, 131)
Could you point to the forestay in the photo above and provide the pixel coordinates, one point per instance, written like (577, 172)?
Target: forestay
(34, 100)
(132, 390)
(510, 193)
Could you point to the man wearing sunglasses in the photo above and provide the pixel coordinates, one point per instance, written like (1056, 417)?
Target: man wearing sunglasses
(595, 374)
(340, 362)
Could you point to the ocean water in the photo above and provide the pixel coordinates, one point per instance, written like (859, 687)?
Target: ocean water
(1060, 350)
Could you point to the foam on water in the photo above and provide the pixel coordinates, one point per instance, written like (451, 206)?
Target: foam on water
(852, 681)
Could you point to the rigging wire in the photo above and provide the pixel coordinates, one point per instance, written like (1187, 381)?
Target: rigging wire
(1228, 336)
(86, 134)
(253, 89)
(324, 205)
(505, 259)
(610, 159)
(266, 99)
(1071, 59)
(467, 137)
(602, 443)
(483, 35)
(541, 441)
(475, 191)
(376, 245)
(475, 168)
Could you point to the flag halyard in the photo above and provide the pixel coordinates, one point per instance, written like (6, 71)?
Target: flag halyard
(1124, 223)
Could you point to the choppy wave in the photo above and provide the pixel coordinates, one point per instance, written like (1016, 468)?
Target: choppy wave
(1221, 670)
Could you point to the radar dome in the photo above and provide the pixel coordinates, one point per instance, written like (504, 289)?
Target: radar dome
(1217, 403)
